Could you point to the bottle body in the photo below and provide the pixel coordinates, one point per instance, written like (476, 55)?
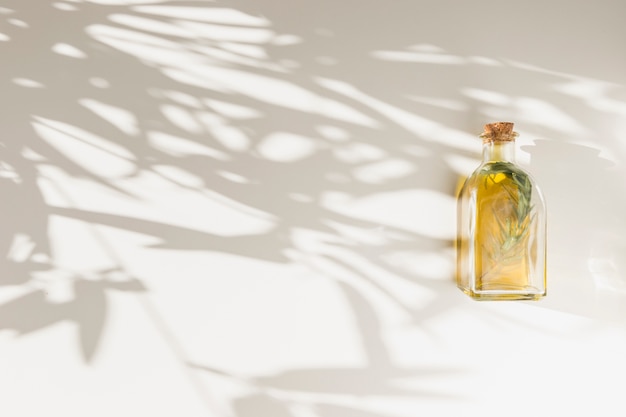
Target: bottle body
(501, 242)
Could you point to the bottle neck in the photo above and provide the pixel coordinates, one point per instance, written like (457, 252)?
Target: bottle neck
(499, 152)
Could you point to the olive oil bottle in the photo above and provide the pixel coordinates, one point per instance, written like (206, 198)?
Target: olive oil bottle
(501, 242)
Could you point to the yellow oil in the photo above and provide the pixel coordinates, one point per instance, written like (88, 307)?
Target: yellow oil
(503, 249)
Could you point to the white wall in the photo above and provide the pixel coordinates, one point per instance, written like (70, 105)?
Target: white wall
(247, 208)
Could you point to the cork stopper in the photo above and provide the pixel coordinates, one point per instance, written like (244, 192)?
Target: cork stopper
(498, 132)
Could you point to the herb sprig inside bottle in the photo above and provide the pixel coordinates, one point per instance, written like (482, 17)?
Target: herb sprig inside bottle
(501, 245)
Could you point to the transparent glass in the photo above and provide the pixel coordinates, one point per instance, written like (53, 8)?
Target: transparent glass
(501, 242)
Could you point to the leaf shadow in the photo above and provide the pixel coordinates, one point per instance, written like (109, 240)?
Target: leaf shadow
(410, 115)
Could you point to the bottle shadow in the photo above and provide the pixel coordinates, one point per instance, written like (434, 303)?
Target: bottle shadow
(585, 227)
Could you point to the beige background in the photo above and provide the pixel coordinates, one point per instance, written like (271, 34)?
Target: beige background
(247, 208)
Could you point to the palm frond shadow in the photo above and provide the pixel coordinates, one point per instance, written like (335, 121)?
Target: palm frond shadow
(209, 101)
(88, 311)
(379, 378)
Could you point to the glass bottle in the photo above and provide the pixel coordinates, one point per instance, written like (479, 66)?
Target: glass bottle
(501, 242)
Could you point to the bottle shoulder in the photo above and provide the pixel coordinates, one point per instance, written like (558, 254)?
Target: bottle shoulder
(500, 166)
(507, 168)
(498, 174)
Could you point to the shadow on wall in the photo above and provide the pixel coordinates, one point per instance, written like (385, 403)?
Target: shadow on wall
(588, 273)
(334, 141)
